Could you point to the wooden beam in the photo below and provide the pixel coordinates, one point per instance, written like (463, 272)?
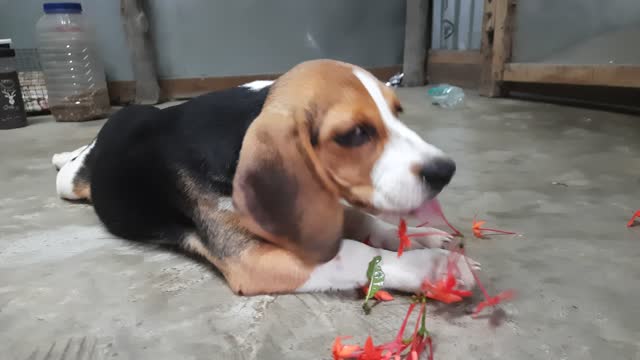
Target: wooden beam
(455, 67)
(486, 47)
(138, 33)
(415, 41)
(454, 57)
(602, 75)
(123, 92)
(496, 44)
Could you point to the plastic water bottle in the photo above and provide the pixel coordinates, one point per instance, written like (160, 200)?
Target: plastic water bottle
(447, 96)
(73, 71)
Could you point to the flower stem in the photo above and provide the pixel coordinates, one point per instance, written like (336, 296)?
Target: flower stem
(404, 322)
(475, 276)
(423, 234)
(498, 231)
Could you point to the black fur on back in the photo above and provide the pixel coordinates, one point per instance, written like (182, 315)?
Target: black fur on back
(141, 151)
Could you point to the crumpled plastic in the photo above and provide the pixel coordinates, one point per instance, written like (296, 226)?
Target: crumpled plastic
(395, 80)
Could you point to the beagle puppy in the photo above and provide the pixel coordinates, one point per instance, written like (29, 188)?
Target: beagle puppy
(274, 183)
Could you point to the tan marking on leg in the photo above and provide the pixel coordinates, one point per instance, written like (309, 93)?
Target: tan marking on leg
(260, 269)
(82, 190)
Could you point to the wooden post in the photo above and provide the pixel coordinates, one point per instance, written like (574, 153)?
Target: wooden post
(136, 28)
(497, 33)
(416, 42)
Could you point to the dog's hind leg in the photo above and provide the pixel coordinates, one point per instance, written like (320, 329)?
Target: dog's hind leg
(61, 159)
(73, 181)
(252, 266)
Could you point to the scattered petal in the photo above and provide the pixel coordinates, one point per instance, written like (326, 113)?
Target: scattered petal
(478, 230)
(340, 351)
(380, 295)
(632, 221)
(383, 296)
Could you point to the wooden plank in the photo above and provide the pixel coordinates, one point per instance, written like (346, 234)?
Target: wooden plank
(191, 87)
(123, 92)
(505, 10)
(454, 57)
(623, 99)
(496, 44)
(138, 33)
(602, 75)
(486, 47)
(463, 75)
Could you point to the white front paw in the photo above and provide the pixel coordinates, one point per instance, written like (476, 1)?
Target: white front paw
(408, 272)
(431, 238)
(388, 238)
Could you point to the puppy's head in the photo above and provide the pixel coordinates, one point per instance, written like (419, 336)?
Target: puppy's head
(329, 131)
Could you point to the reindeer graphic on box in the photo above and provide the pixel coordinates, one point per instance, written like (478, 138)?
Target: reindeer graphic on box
(11, 105)
(8, 90)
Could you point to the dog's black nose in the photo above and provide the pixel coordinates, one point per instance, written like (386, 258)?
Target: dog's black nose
(438, 172)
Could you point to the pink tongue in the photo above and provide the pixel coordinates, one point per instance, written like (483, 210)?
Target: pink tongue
(430, 214)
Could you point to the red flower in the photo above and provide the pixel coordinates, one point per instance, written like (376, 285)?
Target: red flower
(404, 238)
(632, 221)
(477, 229)
(416, 343)
(444, 289)
(493, 301)
(343, 351)
(380, 295)
(370, 352)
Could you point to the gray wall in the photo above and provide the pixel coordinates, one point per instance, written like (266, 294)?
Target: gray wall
(204, 38)
(208, 38)
(578, 31)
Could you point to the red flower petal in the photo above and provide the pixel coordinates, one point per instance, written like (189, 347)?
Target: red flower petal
(340, 351)
(370, 352)
(405, 242)
(383, 296)
(462, 293)
(380, 295)
(439, 292)
(632, 221)
(476, 228)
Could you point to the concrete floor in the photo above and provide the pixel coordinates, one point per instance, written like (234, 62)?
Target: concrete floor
(566, 178)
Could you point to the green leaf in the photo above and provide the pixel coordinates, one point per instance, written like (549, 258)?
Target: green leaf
(376, 280)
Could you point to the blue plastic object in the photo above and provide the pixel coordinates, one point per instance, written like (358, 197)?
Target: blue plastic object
(62, 8)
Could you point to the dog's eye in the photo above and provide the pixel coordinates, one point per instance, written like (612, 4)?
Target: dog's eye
(357, 136)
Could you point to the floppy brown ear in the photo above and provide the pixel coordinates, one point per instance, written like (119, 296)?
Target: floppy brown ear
(281, 192)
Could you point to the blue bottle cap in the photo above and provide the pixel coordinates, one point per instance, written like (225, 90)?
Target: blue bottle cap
(62, 8)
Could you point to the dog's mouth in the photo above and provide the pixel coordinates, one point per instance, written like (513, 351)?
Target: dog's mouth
(413, 212)
(416, 212)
